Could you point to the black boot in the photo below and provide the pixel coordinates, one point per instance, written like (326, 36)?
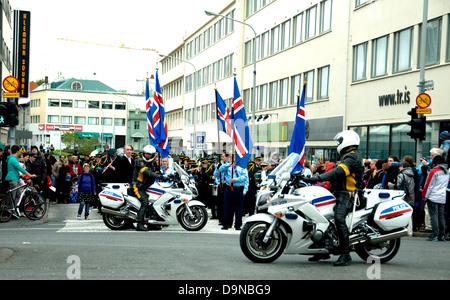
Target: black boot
(343, 260)
(141, 227)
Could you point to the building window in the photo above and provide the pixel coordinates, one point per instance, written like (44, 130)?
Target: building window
(92, 120)
(80, 103)
(273, 94)
(309, 89)
(76, 85)
(107, 105)
(325, 16)
(263, 96)
(360, 2)
(120, 106)
(53, 102)
(359, 61)
(295, 88)
(137, 125)
(447, 57)
(310, 30)
(322, 82)
(52, 119)
(119, 122)
(66, 103)
(286, 35)
(402, 50)
(264, 44)
(297, 29)
(275, 40)
(379, 56)
(284, 92)
(94, 104)
(80, 120)
(433, 43)
(66, 120)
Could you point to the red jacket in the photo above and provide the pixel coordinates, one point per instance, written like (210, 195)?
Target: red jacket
(71, 171)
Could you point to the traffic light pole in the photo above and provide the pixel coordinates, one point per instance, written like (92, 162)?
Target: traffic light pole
(423, 41)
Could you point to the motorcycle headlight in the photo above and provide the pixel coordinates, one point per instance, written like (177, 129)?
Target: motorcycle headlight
(264, 199)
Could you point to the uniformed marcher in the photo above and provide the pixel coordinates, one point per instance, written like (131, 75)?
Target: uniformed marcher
(204, 177)
(347, 179)
(250, 197)
(144, 175)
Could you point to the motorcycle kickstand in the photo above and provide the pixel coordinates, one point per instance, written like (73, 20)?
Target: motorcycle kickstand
(270, 230)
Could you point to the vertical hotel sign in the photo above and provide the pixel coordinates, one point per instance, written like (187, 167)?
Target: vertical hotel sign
(21, 56)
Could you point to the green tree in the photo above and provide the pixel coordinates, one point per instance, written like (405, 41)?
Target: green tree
(85, 145)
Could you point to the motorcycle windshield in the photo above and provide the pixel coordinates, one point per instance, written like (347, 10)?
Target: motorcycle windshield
(286, 165)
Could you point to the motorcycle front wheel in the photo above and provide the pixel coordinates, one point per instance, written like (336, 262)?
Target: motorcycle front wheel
(115, 223)
(384, 251)
(253, 245)
(195, 222)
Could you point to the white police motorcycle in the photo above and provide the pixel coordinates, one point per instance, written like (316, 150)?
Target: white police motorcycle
(294, 218)
(174, 203)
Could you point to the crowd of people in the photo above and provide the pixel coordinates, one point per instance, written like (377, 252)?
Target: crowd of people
(229, 190)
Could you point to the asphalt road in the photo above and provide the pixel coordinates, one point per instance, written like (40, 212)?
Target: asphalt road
(63, 247)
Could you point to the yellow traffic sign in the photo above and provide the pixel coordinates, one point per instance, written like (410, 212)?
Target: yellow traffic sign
(423, 100)
(11, 84)
(423, 111)
(11, 95)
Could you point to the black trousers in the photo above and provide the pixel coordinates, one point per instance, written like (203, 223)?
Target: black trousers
(233, 203)
(344, 205)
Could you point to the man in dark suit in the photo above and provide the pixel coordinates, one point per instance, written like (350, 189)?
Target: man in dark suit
(125, 165)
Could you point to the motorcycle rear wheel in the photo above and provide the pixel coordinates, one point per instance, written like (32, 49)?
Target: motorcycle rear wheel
(115, 223)
(384, 251)
(253, 246)
(197, 222)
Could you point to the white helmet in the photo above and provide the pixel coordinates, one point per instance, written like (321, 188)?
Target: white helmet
(345, 139)
(148, 150)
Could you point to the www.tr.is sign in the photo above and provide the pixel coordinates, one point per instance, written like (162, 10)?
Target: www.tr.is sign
(394, 99)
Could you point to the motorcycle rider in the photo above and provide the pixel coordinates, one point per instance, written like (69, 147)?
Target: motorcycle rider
(144, 175)
(347, 180)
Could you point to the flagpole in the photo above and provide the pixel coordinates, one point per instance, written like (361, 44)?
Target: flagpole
(233, 154)
(218, 126)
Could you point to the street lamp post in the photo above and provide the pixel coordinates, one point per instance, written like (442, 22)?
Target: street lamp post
(210, 13)
(195, 97)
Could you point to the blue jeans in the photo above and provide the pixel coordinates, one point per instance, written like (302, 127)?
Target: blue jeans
(80, 208)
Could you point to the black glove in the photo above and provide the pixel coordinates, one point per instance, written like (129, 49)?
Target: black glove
(311, 180)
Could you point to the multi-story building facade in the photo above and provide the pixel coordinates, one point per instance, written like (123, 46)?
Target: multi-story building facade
(354, 54)
(6, 58)
(88, 107)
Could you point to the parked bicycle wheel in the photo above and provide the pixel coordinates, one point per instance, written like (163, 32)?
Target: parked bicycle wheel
(5, 214)
(34, 206)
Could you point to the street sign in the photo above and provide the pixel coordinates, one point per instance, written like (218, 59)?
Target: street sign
(423, 111)
(11, 84)
(429, 85)
(423, 100)
(11, 95)
(200, 140)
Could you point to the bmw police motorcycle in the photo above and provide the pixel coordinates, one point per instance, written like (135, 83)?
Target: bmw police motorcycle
(173, 201)
(295, 218)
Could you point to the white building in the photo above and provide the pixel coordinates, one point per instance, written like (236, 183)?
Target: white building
(88, 107)
(352, 53)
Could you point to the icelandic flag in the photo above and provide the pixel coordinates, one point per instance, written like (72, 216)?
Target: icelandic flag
(298, 140)
(156, 119)
(242, 140)
(223, 115)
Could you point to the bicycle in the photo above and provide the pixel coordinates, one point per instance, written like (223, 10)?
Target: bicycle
(34, 205)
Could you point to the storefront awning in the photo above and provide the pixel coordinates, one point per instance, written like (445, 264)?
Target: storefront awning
(107, 135)
(87, 134)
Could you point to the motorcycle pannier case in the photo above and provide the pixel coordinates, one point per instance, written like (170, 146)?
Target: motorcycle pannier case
(111, 198)
(394, 214)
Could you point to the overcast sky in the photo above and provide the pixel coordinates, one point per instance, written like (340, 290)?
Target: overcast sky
(134, 23)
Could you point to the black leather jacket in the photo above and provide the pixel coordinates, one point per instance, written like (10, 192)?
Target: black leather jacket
(348, 174)
(145, 174)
